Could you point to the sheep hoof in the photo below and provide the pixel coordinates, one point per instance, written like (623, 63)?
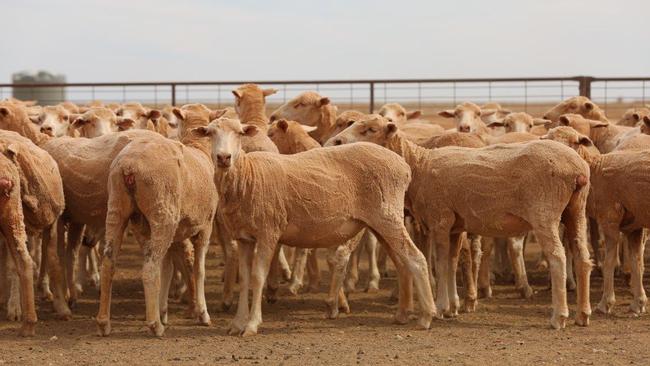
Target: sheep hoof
(164, 317)
(344, 307)
(401, 317)
(235, 329)
(469, 306)
(203, 318)
(485, 293)
(570, 286)
(605, 307)
(225, 306)
(526, 292)
(372, 289)
(424, 322)
(157, 329)
(28, 329)
(582, 319)
(249, 331)
(47, 295)
(103, 327)
(14, 312)
(294, 288)
(558, 322)
(94, 280)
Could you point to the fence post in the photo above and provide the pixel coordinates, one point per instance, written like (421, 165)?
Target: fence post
(372, 97)
(585, 85)
(173, 95)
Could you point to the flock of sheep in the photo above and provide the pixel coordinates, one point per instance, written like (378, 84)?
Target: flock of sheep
(74, 178)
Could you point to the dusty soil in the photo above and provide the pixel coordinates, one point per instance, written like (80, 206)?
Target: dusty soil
(504, 330)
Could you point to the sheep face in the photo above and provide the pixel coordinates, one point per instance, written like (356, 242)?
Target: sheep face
(567, 136)
(54, 121)
(575, 105)
(305, 108)
(225, 135)
(250, 95)
(468, 116)
(375, 128)
(98, 122)
(347, 119)
(515, 122)
(396, 113)
(143, 118)
(633, 116)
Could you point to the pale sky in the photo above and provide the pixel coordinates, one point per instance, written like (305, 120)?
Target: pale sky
(153, 40)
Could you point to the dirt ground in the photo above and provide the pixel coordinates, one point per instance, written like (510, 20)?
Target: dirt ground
(504, 330)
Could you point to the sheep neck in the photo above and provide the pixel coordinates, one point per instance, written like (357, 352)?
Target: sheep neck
(411, 152)
(593, 158)
(27, 129)
(190, 139)
(602, 135)
(326, 125)
(232, 182)
(252, 113)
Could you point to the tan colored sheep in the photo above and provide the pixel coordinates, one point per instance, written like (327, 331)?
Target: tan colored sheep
(310, 109)
(416, 131)
(99, 121)
(446, 208)
(576, 105)
(162, 188)
(323, 199)
(144, 118)
(55, 121)
(12, 228)
(618, 202)
(633, 116)
(604, 135)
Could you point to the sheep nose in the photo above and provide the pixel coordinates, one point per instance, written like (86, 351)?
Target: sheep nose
(5, 186)
(463, 128)
(338, 142)
(224, 159)
(46, 129)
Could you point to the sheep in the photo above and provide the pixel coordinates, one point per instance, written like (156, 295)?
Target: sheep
(99, 121)
(445, 208)
(12, 228)
(417, 132)
(605, 136)
(164, 189)
(397, 113)
(70, 107)
(515, 122)
(291, 137)
(144, 118)
(633, 116)
(54, 121)
(617, 201)
(321, 198)
(311, 109)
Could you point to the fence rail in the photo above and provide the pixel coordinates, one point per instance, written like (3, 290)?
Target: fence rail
(609, 91)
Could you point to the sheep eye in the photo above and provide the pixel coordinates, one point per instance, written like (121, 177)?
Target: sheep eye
(298, 105)
(372, 130)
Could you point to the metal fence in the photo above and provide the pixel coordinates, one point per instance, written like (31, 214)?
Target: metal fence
(526, 93)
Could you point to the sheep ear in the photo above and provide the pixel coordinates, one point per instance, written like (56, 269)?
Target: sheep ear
(78, 122)
(487, 112)
(646, 120)
(237, 94)
(391, 129)
(413, 114)
(249, 130)
(541, 121)
(35, 119)
(636, 117)
(598, 124)
(564, 120)
(154, 114)
(203, 131)
(323, 101)
(12, 151)
(73, 116)
(308, 129)
(588, 106)
(4, 111)
(217, 113)
(283, 125)
(269, 91)
(125, 123)
(179, 113)
(504, 112)
(495, 124)
(447, 113)
(584, 141)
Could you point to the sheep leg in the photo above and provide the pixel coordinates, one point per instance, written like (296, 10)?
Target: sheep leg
(549, 239)
(636, 243)
(338, 259)
(14, 309)
(484, 286)
(273, 277)
(246, 250)
(353, 271)
(93, 268)
(381, 261)
(442, 272)
(75, 235)
(594, 238)
(230, 272)
(313, 273)
(452, 288)
(299, 264)
(184, 262)
(408, 258)
(56, 272)
(284, 265)
(609, 266)
(373, 271)
(154, 251)
(476, 253)
(265, 251)
(516, 254)
(13, 229)
(4, 280)
(201, 244)
(81, 271)
(166, 274)
(470, 258)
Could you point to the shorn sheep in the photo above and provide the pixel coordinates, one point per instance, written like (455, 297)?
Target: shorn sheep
(314, 199)
(445, 208)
